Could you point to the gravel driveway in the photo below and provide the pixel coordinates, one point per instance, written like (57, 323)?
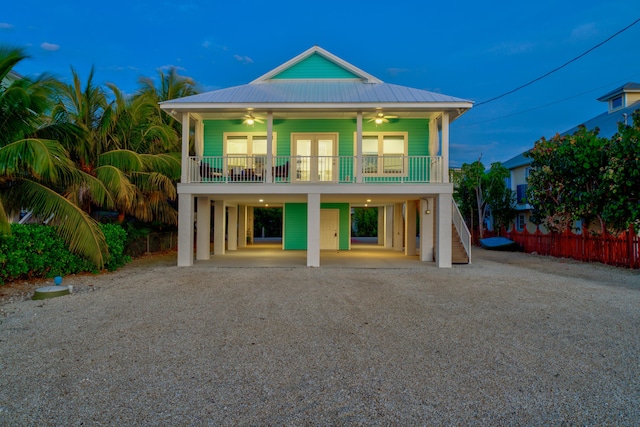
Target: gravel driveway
(512, 339)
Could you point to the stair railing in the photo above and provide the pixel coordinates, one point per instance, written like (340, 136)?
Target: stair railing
(461, 228)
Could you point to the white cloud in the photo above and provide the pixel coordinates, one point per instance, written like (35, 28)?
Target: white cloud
(5, 26)
(584, 32)
(50, 46)
(243, 59)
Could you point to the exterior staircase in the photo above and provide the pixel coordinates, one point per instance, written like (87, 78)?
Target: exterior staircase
(458, 252)
(460, 238)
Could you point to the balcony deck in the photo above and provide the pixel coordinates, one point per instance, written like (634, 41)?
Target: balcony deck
(315, 169)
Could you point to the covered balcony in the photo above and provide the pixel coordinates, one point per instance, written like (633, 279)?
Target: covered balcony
(315, 169)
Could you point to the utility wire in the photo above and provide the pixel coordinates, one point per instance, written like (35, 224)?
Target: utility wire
(560, 67)
(459, 126)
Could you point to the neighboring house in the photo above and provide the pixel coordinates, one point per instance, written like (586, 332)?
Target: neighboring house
(621, 102)
(10, 78)
(317, 136)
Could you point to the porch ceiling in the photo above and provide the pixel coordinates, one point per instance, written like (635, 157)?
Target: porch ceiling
(307, 111)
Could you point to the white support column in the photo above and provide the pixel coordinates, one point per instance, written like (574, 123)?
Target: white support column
(388, 226)
(203, 224)
(313, 230)
(232, 228)
(242, 226)
(268, 172)
(358, 165)
(445, 147)
(185, 230)
(184, 176)
(250, 222)
(199, 137)
(443, 231)
(219, 227)
(398, 227)
(410, 228)
(426, 230)
(380, 225)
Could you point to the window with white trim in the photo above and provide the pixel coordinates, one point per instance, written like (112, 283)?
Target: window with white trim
(616, 102)
(384, 153)
(246, 150)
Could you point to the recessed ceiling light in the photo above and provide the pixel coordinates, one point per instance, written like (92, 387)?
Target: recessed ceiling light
(368, 200)
(261, 200)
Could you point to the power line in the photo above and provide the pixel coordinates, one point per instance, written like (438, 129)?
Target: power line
(457, 122)
(560, 67)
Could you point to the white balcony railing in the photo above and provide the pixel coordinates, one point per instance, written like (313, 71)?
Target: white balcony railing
(315, 169)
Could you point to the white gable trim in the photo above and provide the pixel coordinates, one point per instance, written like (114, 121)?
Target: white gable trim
(368, 78)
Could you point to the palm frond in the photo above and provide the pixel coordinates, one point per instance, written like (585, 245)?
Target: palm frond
(118, 184)
(4, 220)
(125, 160)
(91, 188)
(40, 158)
(81, 233)
(155, 182)
(167, 164)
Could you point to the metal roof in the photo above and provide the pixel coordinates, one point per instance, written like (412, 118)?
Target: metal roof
(316, 92)
(608, 122)
(629, 87)
(517, 161)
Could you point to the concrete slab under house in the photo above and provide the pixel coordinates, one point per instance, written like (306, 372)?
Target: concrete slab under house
(318, 137)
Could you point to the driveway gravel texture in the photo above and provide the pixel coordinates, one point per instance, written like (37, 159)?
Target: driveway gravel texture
(512, 339)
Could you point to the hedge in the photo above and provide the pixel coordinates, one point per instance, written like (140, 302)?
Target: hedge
(36, 251)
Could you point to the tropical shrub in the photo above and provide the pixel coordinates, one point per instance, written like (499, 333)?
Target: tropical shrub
(37, 251)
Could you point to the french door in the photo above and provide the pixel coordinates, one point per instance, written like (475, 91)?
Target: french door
(315, 156)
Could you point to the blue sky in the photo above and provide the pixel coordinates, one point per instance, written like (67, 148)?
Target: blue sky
(469, 49)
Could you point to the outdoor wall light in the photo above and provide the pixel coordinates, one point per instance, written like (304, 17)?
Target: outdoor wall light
(427, 211)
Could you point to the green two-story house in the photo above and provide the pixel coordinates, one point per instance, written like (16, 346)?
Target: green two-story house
(317, 136)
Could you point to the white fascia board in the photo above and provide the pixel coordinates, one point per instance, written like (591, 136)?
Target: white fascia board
(210, 107)
(391, 190)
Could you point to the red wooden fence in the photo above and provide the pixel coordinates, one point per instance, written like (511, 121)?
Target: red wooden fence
(621, 251)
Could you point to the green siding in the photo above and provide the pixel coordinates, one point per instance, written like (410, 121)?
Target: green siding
(417, 129)
(315, 67)
(295, 226)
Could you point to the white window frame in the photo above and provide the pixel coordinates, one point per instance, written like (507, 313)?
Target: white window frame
(614, 99)
(380, 172)
(521, 222)
(249, 156)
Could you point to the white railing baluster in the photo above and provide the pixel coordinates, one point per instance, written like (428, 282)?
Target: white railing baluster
(327, 169)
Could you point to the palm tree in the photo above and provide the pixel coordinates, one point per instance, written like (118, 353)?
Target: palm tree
(34, 170)
(123, 144)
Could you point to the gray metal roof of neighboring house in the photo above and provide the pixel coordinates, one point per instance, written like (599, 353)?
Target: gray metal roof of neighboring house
(629, 87)
(517, 161)
(608, 122)
(317, 92)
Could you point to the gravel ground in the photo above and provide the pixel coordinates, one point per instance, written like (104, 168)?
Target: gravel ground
(512, 339)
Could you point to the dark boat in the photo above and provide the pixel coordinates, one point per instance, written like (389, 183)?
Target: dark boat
(499, 244)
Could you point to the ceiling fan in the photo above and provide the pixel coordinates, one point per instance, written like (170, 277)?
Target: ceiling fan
(249, 119)
(380, 118)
